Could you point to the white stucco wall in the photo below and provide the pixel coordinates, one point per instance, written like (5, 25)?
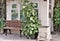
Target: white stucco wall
(8, 13)
(52, 28)
(44, 13)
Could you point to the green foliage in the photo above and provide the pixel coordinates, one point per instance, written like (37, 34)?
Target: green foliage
(2, 13)
(29, 18)
(2, 22)
(56, 16)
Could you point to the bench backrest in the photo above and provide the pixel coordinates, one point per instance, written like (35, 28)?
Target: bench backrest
(13, 23)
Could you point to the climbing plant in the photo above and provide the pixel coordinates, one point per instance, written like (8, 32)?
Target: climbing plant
(56, 17)
(2, 13)
(29, 18)
(2, 22)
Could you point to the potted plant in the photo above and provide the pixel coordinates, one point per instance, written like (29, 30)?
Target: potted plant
(30, 21)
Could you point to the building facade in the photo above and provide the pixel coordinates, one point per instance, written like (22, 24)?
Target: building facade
(45, 12)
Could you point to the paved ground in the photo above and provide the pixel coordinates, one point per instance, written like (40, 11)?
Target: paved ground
(15, 37)
(56, 37)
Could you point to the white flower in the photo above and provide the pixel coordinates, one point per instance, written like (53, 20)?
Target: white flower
(24, 6)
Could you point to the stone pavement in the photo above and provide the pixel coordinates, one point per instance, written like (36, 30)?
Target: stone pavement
(15, 37)
(56, 37)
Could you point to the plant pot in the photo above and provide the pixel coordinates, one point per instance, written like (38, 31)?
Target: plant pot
(35, 36)
(32, 36)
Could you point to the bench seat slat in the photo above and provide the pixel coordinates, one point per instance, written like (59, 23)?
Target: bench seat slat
(15, 24)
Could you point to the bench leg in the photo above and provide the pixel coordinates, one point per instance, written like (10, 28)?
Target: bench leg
(9, 31)
(20, 33)
(5, 31)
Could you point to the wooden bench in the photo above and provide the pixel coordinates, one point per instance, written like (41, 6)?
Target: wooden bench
(12, 25)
